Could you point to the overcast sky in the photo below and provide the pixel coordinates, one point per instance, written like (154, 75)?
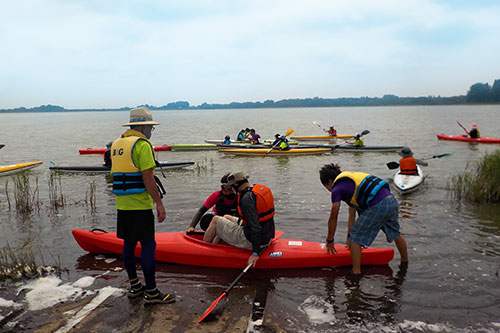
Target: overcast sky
(114, 53)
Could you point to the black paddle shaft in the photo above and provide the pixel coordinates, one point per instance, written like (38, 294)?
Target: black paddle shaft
(241, 274)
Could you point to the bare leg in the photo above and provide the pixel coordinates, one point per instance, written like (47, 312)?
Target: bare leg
(403, 251)
(211, 232)
(356, 258)
(216, 240)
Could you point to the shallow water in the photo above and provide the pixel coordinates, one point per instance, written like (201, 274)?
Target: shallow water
(451, 283)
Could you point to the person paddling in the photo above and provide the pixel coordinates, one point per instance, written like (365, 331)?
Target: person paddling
(135, 187)
(255, 228)
(331, 131)
(408, 164)
(358, 141)
(376, 206)
(474, 132)
(223, 201)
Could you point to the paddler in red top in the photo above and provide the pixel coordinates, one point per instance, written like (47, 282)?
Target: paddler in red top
(223, 201)
(408, 164)
(377, 208)
(255, 229)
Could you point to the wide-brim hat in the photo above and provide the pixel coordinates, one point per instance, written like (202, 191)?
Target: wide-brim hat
(141, 116)
(405, 152)
(235, 177)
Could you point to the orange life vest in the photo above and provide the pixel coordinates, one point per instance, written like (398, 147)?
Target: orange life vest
(408, 166)
(264, 202)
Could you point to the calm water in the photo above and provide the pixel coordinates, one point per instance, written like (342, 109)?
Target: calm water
(452, 280)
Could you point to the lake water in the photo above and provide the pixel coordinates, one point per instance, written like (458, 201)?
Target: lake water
(452, 280)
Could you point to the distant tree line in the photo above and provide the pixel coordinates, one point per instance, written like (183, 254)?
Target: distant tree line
(483, 93)
(478, 93)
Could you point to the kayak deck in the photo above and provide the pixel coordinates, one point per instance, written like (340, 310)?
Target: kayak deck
(274, 152)
(6, 170)
(321, 137)
(103, 150)
(104, 169)
(181, 248)
(408, 183)
(466, 138)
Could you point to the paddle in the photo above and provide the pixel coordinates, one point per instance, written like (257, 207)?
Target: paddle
(466, 131)
(1, 146)
(395, 165)
(289, 132)
(211, 307)
(365, 132)
(317, 124)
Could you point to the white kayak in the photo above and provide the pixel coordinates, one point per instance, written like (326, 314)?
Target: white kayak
(408, 183)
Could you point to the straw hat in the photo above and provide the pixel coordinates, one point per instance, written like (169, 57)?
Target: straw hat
(141, 116)
(405, 152)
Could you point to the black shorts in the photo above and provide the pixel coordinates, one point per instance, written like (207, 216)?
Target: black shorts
(136, 225)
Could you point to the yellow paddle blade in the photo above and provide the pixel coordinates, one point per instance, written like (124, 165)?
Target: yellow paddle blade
(289, 132)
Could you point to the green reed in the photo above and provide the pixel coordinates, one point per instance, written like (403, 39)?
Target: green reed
(56, 197)
(26, 198)
(482, 183)
(90, 197)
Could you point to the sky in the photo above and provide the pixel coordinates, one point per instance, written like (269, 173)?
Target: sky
(115, 53)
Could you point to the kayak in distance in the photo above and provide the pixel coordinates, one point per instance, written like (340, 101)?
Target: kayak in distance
(245, 143)
(360, 148)
(103, 150)
(274, 152)
(408, 183)
(466, 138)
(193, 147)
(6, 170)
(105, 169)
(190, 249)
(321, 137)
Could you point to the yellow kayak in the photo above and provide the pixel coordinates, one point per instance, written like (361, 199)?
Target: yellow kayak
(13, 168)
(321, 137)
(274, 152)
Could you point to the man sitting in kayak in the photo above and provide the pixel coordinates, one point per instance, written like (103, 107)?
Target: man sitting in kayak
(223, 201)
(280, 142)
(227, 140)
(107, 155)
(358, 142)
(255, 228)
(254, 137)
(377, 209)
(474, 132)
(408, 164)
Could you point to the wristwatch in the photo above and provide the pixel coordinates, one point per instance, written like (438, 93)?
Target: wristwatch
(329, 241)
(255, 254)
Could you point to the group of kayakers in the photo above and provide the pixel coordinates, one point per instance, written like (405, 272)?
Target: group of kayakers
(242, 214)
(248, 135)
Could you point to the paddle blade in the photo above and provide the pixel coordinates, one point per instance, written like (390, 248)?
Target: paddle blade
(393, 165)
(289, 132)
(365, 132)
(442, 155)
(316, 123)
(211, 307)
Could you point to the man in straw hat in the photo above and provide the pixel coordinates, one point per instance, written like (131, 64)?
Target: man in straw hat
(136, 191)
(255, 227)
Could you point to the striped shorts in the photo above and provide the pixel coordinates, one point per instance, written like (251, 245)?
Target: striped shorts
(383, 216)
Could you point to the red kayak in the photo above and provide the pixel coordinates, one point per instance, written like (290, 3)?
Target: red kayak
(181, 248)
(103, 150)
(466, 138)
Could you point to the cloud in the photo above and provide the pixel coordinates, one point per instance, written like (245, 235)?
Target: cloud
(115, 53)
